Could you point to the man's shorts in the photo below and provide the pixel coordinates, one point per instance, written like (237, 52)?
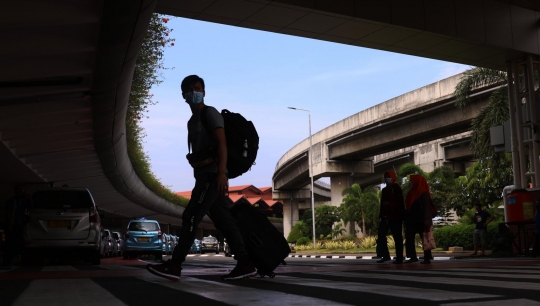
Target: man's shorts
(480, 236)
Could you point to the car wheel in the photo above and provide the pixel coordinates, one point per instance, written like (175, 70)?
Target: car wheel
(95, 258)
(217, 252)
(125, 255)
(159, 256)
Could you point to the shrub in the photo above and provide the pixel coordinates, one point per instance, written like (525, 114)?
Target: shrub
(321, 245)
(304, 247)
(303, 241)
(294, 235)
(461, 235)
(332, 245)
(390, 242)
(368, 242)
(348, 245)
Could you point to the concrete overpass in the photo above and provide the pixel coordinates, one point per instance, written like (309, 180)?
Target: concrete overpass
(66, 69)
(346, 148)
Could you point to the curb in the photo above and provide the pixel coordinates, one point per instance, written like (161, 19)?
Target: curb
(358, 257)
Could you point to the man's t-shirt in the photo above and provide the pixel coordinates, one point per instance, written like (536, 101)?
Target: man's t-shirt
(480, 218)
(202, 139)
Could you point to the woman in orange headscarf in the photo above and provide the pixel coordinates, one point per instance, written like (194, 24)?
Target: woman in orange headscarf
(418, 217)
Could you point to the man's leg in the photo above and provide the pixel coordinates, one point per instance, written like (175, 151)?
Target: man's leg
(382, 246)
(8, 248)
(396, 228)
(483, 238)
(476, 238)
(203, 196)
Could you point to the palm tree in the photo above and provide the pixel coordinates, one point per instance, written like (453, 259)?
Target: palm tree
(495, 113)
(357, 203)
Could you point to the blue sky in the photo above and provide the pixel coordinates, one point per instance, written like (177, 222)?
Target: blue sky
(259, 74)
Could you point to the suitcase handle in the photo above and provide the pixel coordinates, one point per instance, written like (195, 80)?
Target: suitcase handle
(256, 241)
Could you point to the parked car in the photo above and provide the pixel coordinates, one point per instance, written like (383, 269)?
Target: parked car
(167, 244)
(119, 242)
(143, 237)
(107, 247)
(196, 246)
(62, 220)
(210, 244)
(227, 249)
(175, 241)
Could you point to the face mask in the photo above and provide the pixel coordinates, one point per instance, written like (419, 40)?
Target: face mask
(388, 180)
(194, 98)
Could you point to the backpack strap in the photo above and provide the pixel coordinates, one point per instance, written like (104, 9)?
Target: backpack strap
(202, 117)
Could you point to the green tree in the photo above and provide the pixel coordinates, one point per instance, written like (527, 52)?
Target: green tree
(325, 217)
(338, 230)
(493, 171)
(442, 184)
(358, 204)
(404, 171)
(459, 199)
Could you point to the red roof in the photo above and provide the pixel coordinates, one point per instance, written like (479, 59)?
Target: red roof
(253, 200)
(185, 194)
(239, 188)
(235, 197)
(272, 202)
(238, 192)
(265, 189)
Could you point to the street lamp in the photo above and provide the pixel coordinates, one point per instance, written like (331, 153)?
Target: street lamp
(310, 174)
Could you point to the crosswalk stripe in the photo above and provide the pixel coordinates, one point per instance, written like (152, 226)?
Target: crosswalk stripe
(386, 290)
(472, 274)
(520, 302)
(237, 295)
(438, 280)
(535, 267)
(58, 268)
(66, 292)
(118, 267)
(494, 270)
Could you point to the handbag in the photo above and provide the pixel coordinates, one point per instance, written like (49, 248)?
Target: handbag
(428, 241)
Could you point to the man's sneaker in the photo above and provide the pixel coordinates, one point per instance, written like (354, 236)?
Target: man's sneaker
(168, 270)
(242, 270)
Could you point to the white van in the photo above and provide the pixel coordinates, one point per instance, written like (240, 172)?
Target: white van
(62, 220)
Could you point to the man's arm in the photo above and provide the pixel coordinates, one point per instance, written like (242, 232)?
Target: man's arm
(221, 141)
(490, 218)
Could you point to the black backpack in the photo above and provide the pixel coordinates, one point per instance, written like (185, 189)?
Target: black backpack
(242, 142)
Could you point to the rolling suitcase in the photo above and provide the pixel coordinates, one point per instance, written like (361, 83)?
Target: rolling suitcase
(265, 245)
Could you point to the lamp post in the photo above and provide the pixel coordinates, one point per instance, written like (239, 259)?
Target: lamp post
(310, 174)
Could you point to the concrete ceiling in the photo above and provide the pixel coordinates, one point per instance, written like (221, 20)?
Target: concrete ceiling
(483, 33)
(61, 83)
(66, 67)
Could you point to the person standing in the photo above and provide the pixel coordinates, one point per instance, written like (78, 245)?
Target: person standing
(209, 162)
(391, 217)
(481, 218)
(418, 217)
(16, 207)
(536, 248)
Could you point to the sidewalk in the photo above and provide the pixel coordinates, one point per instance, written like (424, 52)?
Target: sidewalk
(438, 255)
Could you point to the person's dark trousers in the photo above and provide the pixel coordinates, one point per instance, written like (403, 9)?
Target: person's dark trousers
(204, 199)
(411, 229)
(13, 245)
(536, 247)
(396, 230)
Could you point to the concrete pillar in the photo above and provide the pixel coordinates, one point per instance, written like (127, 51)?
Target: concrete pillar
(287, 217)
(337, 184)
(295, 214)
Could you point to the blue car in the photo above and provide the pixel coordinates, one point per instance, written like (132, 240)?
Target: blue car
(196, 246)
(143, 237)
(167, 244)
